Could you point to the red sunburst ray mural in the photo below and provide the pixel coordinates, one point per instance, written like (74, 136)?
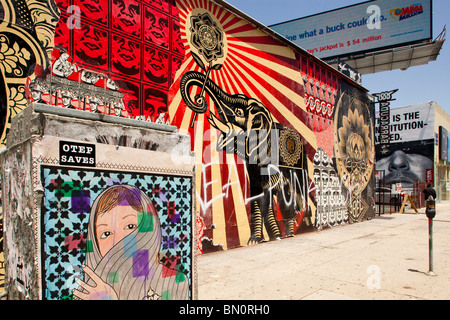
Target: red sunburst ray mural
(249, 63)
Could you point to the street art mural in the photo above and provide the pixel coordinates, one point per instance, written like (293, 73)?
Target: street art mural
(123, 61)
(60, 53)
(283, 143)
(248, 130)
(116, 235)
(25, 40)
(38, 46)
(267, 127)
(252, 187)
(331, 201)
(355, 151)
(108, 229)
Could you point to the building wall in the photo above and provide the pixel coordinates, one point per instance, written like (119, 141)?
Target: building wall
(79, 210)
(414, 152)
(283, 143)
(303, 116)
(442, 167)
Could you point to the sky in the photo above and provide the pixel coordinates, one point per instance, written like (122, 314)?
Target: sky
(416, 85)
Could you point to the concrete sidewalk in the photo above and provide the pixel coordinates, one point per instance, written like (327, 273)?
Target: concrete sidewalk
(384, 258)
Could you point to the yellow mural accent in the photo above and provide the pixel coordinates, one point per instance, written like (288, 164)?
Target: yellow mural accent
(26, 41)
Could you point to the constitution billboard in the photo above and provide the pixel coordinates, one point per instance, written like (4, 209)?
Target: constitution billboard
(364, 27)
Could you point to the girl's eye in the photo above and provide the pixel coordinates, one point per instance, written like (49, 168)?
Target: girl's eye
(105, 234)
(130, 227)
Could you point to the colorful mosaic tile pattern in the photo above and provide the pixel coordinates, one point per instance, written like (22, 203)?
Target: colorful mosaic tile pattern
(68, 198)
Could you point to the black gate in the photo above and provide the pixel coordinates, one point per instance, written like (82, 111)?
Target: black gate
(386, 201)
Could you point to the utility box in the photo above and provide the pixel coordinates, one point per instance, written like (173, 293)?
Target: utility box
(97, 207)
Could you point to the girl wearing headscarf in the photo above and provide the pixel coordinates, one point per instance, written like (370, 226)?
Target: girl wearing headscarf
(123, 241)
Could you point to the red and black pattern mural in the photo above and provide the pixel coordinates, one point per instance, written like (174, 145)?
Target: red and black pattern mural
(125, 51)
(321, 90)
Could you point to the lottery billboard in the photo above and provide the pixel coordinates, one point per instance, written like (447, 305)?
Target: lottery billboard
(363, 27)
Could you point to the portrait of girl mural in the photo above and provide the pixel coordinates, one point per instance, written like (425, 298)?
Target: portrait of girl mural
(123, 246)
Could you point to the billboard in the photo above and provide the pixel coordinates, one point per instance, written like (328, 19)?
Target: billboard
(367, 26)
(410, 156)
(408, 124)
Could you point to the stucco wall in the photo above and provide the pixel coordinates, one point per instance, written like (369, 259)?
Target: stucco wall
(55, 183)
(442, 167)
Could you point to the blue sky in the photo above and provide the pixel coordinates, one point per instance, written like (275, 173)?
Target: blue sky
(416, 85)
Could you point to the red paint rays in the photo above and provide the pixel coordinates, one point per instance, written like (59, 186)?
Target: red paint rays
(251, 64)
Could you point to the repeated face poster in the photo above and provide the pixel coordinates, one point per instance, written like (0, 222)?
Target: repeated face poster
(113, 57)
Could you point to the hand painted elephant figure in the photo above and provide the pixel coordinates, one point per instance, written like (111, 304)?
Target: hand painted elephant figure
(274, 154)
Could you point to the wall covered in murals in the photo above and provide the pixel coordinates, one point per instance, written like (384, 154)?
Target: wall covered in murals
(84, 220)
(157, 223)
(283, 143)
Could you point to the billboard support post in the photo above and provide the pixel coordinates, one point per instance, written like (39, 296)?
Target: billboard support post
(384, 99)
